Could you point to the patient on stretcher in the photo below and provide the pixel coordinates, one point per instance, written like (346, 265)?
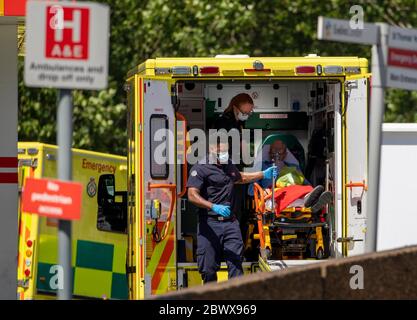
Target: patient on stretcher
(291, 188)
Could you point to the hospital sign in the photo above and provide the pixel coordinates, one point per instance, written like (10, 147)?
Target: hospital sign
(402, 58)
(67, 45)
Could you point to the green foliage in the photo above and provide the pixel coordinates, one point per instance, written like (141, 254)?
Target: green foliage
(150, 28)
(401, 106)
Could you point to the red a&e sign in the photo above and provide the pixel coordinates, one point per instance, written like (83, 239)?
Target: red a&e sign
(52, 198)
(67, 32)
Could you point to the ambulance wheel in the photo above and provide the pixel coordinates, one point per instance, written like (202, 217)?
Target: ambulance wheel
(320, 254)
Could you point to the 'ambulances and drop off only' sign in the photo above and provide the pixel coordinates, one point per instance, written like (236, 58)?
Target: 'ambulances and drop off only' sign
(52, 198)
(67, 45)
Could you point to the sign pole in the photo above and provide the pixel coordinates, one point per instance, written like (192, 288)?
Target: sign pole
(64, 139)
(376, 118)
(67, 45)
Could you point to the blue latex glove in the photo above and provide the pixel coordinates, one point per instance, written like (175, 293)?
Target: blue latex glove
(271, 172)
(221, 210)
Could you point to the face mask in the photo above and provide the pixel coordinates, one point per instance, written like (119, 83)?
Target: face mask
(242, 117)
(223, 156)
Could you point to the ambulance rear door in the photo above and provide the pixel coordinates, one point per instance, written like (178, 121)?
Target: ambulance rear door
(159, 187)
(355, 164)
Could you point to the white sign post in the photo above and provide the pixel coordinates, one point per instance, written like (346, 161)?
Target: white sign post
(341, 30)
(67, 45)
(67, 48)
(402, 58)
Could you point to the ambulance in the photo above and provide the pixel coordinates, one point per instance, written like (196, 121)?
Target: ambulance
(320, 102)
(99, 238)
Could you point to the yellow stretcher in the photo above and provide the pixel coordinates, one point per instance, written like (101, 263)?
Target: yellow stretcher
(293, 233)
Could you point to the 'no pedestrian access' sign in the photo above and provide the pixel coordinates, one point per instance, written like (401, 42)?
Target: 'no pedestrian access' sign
(67, 45)
(402, 58)
(52, 198)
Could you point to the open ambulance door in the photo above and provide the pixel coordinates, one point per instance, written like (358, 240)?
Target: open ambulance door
(354, 164)
(152, 226)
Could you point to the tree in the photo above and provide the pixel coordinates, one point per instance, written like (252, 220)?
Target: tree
(152, 28)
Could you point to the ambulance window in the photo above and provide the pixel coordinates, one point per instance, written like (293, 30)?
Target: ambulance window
(158, 155)
(112, 205)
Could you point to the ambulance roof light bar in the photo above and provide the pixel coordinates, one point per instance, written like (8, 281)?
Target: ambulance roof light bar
(231, 56)
(181, 70)
(162, 71)
(209, 70)
(258, 66)
(333, 69)
(353, 70)
(305, 69)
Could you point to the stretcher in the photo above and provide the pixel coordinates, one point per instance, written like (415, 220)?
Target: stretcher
(291, 233)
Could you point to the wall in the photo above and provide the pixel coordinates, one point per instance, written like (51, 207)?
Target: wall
(397, 223)
(386, 275)
(8, 157)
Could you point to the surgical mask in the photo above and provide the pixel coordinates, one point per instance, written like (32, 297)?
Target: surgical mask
(242, 117)
(223, 156)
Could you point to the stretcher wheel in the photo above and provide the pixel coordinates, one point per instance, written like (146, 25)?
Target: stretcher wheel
(320, 254)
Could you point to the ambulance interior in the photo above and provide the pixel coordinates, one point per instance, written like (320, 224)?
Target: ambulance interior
(302, 109)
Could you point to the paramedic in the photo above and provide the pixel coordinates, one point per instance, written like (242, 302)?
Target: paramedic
(210, 187)
(237, 112)
(233, 118)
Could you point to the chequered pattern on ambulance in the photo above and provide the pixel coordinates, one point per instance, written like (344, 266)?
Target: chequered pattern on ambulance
(95, 274)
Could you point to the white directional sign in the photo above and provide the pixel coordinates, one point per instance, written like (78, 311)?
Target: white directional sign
(402, 58)
(400, 69)
(346, 31)
(67, 45)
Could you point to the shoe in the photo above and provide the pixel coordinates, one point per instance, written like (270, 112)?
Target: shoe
(313, 196)
(325, 198)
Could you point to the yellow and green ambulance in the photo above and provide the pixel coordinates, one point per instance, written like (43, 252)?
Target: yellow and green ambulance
(320, 101)
(99, 238)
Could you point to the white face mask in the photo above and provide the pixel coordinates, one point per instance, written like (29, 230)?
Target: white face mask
(242, 117)
(223, 156)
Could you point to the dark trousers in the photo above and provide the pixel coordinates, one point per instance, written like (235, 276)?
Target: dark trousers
(217, 240)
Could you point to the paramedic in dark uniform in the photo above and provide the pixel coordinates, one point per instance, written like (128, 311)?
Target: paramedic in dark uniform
(210, 187)
(233, 118)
